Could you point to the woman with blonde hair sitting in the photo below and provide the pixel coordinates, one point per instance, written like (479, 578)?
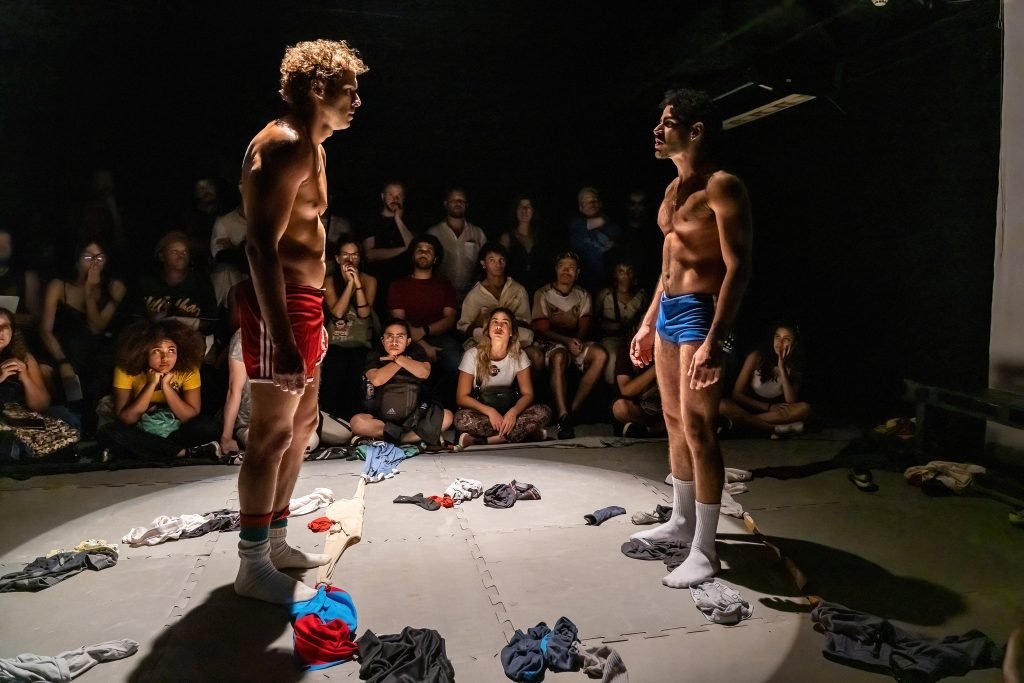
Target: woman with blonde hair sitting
(492, 411)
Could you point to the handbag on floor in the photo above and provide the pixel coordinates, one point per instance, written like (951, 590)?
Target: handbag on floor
(40, 435)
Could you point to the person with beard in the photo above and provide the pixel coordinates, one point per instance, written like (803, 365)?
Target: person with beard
(427, 302)
(387, 238)
(461, 241)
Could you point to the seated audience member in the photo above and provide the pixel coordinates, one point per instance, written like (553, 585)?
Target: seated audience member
(619, 309)
(461, 242)
(529, 254)
(17, 280)
(591, 235)
(237, 407)
(427, 302)
(227, 247)
(157, 395)
(561, 321)
(75, 328)
(351, 324)
(400, 412)
(21, 379)
(638, 407)
(495, 290)
(175, 292)
(494, 409)
(766, 396)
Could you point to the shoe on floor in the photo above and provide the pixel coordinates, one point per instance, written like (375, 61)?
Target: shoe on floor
(565, 430)
(635, 430)
(862, 479)
(207, 451)
(465, 440)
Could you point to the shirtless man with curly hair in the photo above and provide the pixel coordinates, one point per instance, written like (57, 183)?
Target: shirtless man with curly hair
(284, 190)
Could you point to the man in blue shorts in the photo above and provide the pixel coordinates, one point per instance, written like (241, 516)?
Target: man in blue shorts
(705, 217)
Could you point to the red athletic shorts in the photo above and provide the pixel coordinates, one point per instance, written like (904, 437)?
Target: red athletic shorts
(305, 311)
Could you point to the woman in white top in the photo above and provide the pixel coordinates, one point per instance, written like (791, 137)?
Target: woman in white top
(767, 392)
(491, 410)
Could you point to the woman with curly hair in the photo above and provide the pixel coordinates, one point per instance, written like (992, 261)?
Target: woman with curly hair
(766, 396)
(492, 411)
(157, 395)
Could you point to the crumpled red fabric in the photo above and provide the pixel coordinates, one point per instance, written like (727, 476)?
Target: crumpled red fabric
(444, 501)
(321, 524)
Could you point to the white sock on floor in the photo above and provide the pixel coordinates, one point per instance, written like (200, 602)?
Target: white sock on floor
(283, 556)
(682, 524)
(257, 577)
(702, 562)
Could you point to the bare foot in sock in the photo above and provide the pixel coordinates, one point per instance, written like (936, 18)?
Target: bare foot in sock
(258, 578)
(675, 529)
(696, 568)
(283, 556)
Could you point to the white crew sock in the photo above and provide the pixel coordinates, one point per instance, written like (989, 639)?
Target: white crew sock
(283, 556)
(702, 562)
(681, 525)
(257, 577)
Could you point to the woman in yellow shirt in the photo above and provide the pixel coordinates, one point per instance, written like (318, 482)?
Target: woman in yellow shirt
(157, 396)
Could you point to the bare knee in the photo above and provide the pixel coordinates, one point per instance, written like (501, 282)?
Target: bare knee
(363, 424)
(448, 419)
(700, 436)
(268, 446)
(596, 357)
(620, 410)
(558, 360)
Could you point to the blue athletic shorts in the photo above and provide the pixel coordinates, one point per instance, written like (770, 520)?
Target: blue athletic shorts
(685, 318)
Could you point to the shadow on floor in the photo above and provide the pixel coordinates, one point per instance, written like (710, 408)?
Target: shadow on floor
(837, 576)
(227, 638)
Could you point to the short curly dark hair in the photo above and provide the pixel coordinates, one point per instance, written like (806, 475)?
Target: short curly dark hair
(693, 106)
(316, 64)
(135, 342)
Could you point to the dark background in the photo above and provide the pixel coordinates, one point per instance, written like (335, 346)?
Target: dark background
(874, 204)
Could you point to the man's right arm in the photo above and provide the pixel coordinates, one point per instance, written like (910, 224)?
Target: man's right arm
(277, 169)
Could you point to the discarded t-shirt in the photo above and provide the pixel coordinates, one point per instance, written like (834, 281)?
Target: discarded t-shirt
(464, 489)
(415, 654)
(872, 643)
(44, 572)
(324, 627)
(382, 460)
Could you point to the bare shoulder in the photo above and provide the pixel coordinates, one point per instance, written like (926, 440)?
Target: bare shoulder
(280, 147)
(723, 185)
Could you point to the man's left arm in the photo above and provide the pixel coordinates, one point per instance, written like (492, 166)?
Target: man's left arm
(727, 197)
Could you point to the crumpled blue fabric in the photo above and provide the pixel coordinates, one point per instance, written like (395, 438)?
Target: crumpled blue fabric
(382, 460)
(528, 655)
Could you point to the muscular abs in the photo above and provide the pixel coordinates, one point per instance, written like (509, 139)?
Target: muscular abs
(692, 255)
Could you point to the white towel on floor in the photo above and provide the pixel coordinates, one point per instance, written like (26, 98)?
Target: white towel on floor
(163, 528)
(311, 502)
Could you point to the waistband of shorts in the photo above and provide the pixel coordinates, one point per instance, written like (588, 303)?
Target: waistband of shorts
(695, 297)
(308, 290)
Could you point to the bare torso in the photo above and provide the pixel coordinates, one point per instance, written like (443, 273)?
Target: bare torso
(692, 260)
(301, 246)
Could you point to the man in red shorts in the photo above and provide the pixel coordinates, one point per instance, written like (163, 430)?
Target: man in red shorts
(284, 190)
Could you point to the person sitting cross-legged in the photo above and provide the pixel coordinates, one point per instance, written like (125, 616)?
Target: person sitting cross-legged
(157, 396)
(561, 321)
(398, 410)
(492, 411)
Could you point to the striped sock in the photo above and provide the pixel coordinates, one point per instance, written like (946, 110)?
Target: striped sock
(280, 518)
(254, 528)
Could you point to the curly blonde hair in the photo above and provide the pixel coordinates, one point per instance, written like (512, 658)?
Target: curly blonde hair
(314, 63)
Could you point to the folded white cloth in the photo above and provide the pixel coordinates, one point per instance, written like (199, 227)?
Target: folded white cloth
(734, 474)
(720, 604)
(465, 489)
(735, 488)
(303, 505)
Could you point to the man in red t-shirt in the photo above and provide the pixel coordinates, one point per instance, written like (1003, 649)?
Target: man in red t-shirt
(427, 302)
